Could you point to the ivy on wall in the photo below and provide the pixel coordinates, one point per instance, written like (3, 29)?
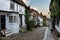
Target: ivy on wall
(29, 23)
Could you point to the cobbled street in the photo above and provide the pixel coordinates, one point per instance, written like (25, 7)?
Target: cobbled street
(36, 34)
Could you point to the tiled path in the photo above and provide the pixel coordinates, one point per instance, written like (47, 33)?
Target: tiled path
(36, 34)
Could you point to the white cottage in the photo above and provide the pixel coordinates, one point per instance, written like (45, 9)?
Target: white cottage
(40, 19)
(23, 24)
(11, 17)
(37, 17)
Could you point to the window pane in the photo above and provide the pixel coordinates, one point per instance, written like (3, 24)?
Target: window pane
(11, 19)
(14, 18)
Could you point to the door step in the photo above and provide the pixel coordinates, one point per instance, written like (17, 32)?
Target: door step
(6, 33)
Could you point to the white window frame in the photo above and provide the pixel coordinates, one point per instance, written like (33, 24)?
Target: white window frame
(13, 20)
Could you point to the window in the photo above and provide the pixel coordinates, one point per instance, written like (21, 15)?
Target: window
(12, 19)
(12, 5)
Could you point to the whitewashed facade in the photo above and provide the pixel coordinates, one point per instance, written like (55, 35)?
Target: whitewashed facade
(40, 20)
(23, 14)
(12, 19)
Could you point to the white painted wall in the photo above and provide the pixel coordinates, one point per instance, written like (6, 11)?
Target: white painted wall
(41, 20)
(23, 21)
(4, 5)
(22, 10)
(16, 7)
(16, 24)
(14, 27)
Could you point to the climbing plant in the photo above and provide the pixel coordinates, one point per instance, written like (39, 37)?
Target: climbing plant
(29, 23)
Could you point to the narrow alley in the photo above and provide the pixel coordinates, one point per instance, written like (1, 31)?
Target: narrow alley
(29, 19)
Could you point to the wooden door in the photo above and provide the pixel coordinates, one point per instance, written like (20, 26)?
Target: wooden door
(3, 22)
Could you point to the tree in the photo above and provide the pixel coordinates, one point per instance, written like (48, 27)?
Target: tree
(54, 9)
(27, 17)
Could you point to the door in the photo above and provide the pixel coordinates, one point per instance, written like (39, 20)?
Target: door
(3, 24)
(20, 20)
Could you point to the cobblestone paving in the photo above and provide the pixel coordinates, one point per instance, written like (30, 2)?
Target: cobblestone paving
(36, 34)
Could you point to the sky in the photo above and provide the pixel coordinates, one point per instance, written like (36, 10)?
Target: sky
(41, 5)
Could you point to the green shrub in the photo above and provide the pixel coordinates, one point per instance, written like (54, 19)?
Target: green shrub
(30, 25)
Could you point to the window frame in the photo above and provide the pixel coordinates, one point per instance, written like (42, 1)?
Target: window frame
(12, 19)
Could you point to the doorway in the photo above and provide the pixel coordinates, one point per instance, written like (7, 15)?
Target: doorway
(3, 22)
(21, 20)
